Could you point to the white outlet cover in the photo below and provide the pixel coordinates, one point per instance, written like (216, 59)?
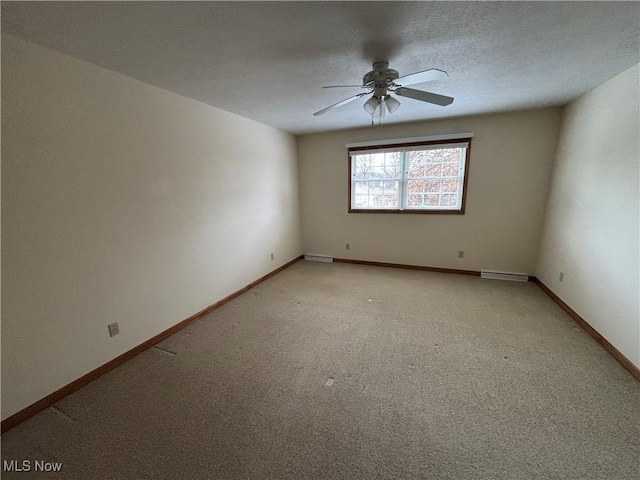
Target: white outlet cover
(114, 329)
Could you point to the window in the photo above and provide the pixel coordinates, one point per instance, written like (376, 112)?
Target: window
(426, 177)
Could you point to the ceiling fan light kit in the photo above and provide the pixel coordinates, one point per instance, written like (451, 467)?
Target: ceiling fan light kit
(391, 103)
(382, 81)
(371, 105)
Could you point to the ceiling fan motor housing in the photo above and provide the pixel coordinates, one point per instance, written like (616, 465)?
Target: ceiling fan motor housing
(380, 78)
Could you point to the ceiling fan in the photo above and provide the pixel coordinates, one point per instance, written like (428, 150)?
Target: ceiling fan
(382, 81)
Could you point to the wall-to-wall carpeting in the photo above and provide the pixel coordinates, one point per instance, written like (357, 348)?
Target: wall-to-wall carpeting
(339, 371)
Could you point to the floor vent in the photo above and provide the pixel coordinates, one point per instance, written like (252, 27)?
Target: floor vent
(319, 258)
(514, 277)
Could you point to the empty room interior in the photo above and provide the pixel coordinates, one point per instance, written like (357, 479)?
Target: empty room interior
(320, 240)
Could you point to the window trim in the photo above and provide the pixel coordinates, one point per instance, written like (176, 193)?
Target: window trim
(387, 146)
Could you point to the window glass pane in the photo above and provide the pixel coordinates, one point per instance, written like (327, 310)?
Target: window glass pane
(434, 170)
(451, 169)
(377, 172)
(432, 200)
(415, 186)
(377, 166)
(376, 194)
(393, 165)
(361, 188)
(433, 185)
(450, 185)
(434, 156)
(363, 167)
(384, 194)
(416, 171)
(388, 200)
(361, 201)
(417, 156)
(415, 164)
(414, 200)
(449, 200)
(452, 155)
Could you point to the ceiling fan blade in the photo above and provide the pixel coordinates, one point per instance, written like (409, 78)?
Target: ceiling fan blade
(421, 77)
(341, 103)
(424, 96)
(346, 86)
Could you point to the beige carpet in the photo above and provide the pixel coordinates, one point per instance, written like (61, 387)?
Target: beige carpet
(336, 371)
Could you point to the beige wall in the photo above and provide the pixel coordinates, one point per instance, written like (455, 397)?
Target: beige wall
(591, 224)
(123, 202)
(511, 159)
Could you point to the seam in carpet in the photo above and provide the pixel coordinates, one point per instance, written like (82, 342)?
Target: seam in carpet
(153, 365)
(168, 352)
(60, 411)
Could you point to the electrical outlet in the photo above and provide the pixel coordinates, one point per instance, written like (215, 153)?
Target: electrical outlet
(561, 276)
(272, 256)
(114, 329)
(461, 254)
(348, 246)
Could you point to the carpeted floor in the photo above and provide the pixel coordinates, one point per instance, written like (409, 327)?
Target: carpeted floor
(339, 371)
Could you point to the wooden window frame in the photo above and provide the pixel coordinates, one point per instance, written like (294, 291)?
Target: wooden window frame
(412, 211)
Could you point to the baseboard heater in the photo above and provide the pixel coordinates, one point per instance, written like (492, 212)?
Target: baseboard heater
(514, 277)
(318, 258)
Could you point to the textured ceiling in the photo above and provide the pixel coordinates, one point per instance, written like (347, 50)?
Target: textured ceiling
(267, 60)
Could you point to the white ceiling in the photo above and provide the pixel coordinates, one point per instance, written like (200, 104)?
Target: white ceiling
(267, 60)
